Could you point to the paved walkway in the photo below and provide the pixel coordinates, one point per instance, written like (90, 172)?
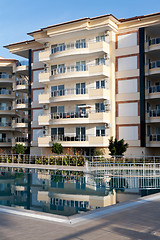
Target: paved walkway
(138, 219)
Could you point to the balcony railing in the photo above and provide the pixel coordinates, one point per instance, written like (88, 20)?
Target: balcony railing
(6, 108)
(154, 41)
(154, 137)
(69, 91)
(21, 120)
(154, 113)
(69, 138)
(5, 140)
(21, 82)
(4, 75)
(154, 89)
(76, 68)
(64, 115)
(21, 139)
(21, 101)
(74, 137)
(5, 92)
(68, 47)
(4, 124)
(22, 63)
(154, 64)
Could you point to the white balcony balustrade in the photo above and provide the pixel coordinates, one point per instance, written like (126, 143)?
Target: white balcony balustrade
(154, 113)
(154, 89)
(154, 138)
(154, 64)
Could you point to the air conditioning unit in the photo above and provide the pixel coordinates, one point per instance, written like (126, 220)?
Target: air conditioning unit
(45, 127)
(106, 56)
(45, 107)
(106, 33)
(46, 45)
(106, 102)
(107, 125)
(46, 67)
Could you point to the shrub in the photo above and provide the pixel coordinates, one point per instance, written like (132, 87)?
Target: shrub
(19, 149)
(57, 148)
(117, 147)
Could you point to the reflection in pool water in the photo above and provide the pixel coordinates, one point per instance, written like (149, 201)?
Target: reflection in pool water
(58, 192)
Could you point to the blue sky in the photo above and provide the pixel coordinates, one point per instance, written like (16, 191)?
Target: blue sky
(17, 17)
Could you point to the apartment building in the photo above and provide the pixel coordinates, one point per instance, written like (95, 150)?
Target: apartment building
(94, 78)
(13, 104)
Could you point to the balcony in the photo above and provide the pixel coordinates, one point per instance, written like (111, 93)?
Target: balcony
(21, 103)
(154, 68)
(6, 78)
(20, 123)
(74, 118)
(154, 44)
(21, 85)
(74, 141)
(153, 92)
(5, 142)
(153, 116)
(22, 67)
(72, 50)
(73, 94)
(6, 110)
(6, 126)
(6, 94)
(75, 72)
(21, 140)
(153, 140)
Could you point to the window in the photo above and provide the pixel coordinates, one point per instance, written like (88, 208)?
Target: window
(57, 133)
(100, 38)
(36, 113)
(100, 61)
(57, 109)
(80, 88)
(81, 43)
(36, 93)
(148, 130)
(58, 48)
(57, 112)
(3, 121)
(36, 56)
(81, 66)
(100, 131)
(36, 75)
(54, 70)
(37, 133)
(100, 84)
(57, 91)
(99, 107)
(148, 107)
(80, 133)
(61, 68)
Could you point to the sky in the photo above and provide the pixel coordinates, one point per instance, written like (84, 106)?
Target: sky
(18, 17)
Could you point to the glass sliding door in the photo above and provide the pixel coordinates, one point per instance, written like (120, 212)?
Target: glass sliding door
(80, 88)
(2, 121)
(57, 134)
(81, 66)
(80, 133)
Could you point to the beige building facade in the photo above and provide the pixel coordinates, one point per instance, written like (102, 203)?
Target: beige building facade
(94, 78)
(13, 104)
